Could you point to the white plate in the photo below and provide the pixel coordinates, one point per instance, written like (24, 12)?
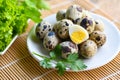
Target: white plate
(104, 54)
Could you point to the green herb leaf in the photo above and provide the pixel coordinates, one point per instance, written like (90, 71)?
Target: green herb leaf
(72, 57)
(72, 61)
(78, 65)
(42, 4)
(57, 50)
(44, 57)
(31, 3)
(35, 17)
(14, 15)
(45, 63)
(52, 55)
(61, 67)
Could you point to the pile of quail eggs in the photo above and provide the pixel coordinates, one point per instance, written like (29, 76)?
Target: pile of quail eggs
(52, 35)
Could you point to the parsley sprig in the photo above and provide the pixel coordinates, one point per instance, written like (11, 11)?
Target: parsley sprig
(71, 62)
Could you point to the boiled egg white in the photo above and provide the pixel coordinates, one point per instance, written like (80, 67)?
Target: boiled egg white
(78, 34)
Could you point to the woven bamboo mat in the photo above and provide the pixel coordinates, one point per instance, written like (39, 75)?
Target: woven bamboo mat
(17, 64)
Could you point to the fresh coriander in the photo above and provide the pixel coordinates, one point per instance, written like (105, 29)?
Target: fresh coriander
(72, 62)
(46, 63)
(40, 55)
(72, 57)
(77, 65)
(52, 55)
(57, 51)
(61, 67)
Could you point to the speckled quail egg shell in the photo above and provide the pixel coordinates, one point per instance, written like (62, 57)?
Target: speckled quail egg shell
(99, 37)
(60, 14)
(68, 48)
(88, 49)
(74, 13)
(42, 28)
(86, 13)
(99, 25)
(63, 28)
(50, 41)
(88, 24)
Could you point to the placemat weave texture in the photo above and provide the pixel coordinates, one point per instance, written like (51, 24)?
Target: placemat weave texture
(18, 64)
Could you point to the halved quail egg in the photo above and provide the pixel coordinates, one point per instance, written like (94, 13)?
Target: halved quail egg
(78, 34)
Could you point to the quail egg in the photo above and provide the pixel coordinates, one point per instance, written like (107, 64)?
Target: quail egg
(78, 34)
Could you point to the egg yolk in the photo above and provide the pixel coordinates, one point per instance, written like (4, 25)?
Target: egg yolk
(78, 36)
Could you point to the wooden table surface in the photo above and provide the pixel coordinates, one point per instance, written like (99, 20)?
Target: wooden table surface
(110, 7)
